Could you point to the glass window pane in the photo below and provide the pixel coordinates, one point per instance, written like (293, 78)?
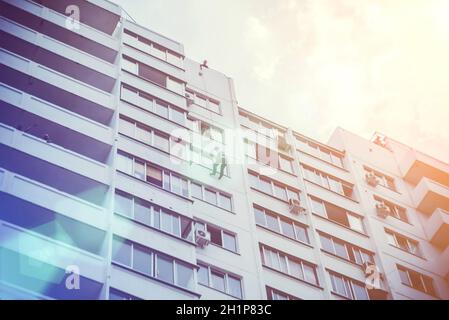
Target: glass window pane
(292, 194)
(280, 192)
(310, 274)
(176, 226)
(335, 185)
(123, 204)
(295, 269)
(186, 229)
(184, 275)
(285, 164)
(340, 250)
(161, 109)
(215, 235)
(235, 287)
(265, 185)
(124, 163)
(142, 259)
(253, 180)
(214, 106)
(225, 202)
(176, 184)
(126, 127)
(156, 217)
(175, 86)
(355, 223)
(211, 196)
(403, 274)
(178, 116)
(218, 280)
(338, 285)
(165, 269)
(229, 241)
(326, 243)
(301, 234)
(161, 141)
(360, 292)
(121, 251)
(260, 216)
(142, 212)
(166, 222)
(197, 190)
(139, 169)
(272, 222)
(287, 229)
(143, 134)
(203, 275)
(154, 175)
(318, 207)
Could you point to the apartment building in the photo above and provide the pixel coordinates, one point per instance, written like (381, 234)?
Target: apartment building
(129, 171)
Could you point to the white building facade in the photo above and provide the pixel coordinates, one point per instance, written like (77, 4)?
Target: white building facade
(128, 171)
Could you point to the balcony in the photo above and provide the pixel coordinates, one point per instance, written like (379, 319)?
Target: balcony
(99, 14)
(57, 55)
(416, 166)
(53, 24)
(430, 195)
(437, 228)
(71, 131)
(57, 88)
(38, 264)
(52, 165)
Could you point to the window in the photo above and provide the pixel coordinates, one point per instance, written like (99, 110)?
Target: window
(154, 105)
(416, 280)
(164, 269)
(124, 163)
(268, 156)
(384, 180)
(395, 211)
(184, 275)
(402, 242)
(121, 251)
(281, 225)
(124, 204)
(329, 182)
(115, 294)
(142, 259)
(285, 164)
(287, 264)
(345, 250)
(276, 189)
(347, 287)
(220, 237)
(153, 75)
(161, 141)
(320, 152)
(129, 65)
(274, 294)
(154, 216)
(211, 196)
(337, 214)
(205, 102)
(220, 280)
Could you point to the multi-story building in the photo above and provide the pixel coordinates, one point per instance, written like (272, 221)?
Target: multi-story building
(128, 171)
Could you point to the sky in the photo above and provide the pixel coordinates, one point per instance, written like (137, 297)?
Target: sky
(314, 65)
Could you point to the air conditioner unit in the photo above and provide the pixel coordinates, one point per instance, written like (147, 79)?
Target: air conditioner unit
(371, 179)
(282, 144)
(382, 210)
(202, 238)
(294, 206)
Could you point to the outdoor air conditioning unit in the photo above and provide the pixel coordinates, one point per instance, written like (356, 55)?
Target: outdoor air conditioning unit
(294, 206)
(371, 179)
(202, 238)
(382, 210)
(283, 144)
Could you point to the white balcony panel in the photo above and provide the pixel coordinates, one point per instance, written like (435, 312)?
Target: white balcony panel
(55, 155)
(437, 228)
(50, 111)
(52, 199)
(430, 195)
(56, 79)
(58, 47)
(60, 20)
(50, 251)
